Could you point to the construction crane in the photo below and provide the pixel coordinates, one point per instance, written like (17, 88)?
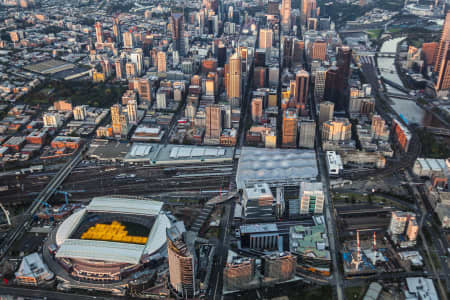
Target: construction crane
(6, 214)
(66, 195)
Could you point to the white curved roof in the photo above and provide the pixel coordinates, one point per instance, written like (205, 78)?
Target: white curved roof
(67, 227)
(157, 236)
(125, 205)
(274, 165)
(101, 250)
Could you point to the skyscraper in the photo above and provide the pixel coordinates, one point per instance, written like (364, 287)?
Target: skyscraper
(326, 111)
(130, 69)
(116, 30)
(132, 111)
(137, 57)
(177, 22)
(331, 92)
(233, 79)
(429, 53)
(339, 129)
(343, 60)
(307, 133)
(181, 262)
(161, 62)
(119, 68)
(286, 14)
(99, 32)
(443, 44)
(119, 121)
(128, 40)
(443, 81)
(301, 93)
(319, 50)
(257, 108)
(265, 38)
(213, 123)
(308, 9)
(144, 90)
(289, 137)
(319, 84)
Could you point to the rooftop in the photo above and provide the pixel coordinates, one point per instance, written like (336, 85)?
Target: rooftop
(125, 205)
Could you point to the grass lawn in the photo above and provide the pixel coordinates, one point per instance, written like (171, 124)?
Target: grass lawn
(374, 34)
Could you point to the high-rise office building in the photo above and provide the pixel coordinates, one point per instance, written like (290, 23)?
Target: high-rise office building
(259, 77)
(128, 40)
(319, 50)
(307, 133)
(331, 92)
(307, 10)
(132, 111)
(301, 89)
(378, 127)
(319, 84)
(213, 122)
(326, 111)
(298, 54)
(177, 22)
(130, 70)
(116, 30)
(137, 57)
(182, 261)
(443, 81)
(233, 78)
(238, 272)
(99, 32)
(286, 14)
(52, 120)
(162, 67)
(288, 51)
(257, 109)
(311, 198)
(79, 112)
(343, 60)
(265, 38)
(429, 53)
(116, 111)
(118, 62)
(443, 44)
(62, 105)
(289, 137)
(339, 129)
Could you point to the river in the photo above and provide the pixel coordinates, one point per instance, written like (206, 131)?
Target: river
(408, 108)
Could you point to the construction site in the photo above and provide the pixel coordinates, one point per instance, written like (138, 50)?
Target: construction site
(370, 253)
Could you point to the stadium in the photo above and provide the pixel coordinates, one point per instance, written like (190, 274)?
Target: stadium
(109, 242)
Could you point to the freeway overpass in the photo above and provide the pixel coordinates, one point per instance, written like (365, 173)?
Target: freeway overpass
(43, 197)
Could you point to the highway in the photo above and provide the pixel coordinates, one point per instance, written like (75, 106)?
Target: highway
(43, 196)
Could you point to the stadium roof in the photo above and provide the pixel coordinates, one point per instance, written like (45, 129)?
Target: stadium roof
(157, 236)
(101, 250)
(125, 205)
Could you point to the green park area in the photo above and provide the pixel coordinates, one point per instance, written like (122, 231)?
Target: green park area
(369, 198)
(374, 34)
(79, 92)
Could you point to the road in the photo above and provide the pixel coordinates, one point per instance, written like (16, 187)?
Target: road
(47, 294)
(328, 209)
(423, 211)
